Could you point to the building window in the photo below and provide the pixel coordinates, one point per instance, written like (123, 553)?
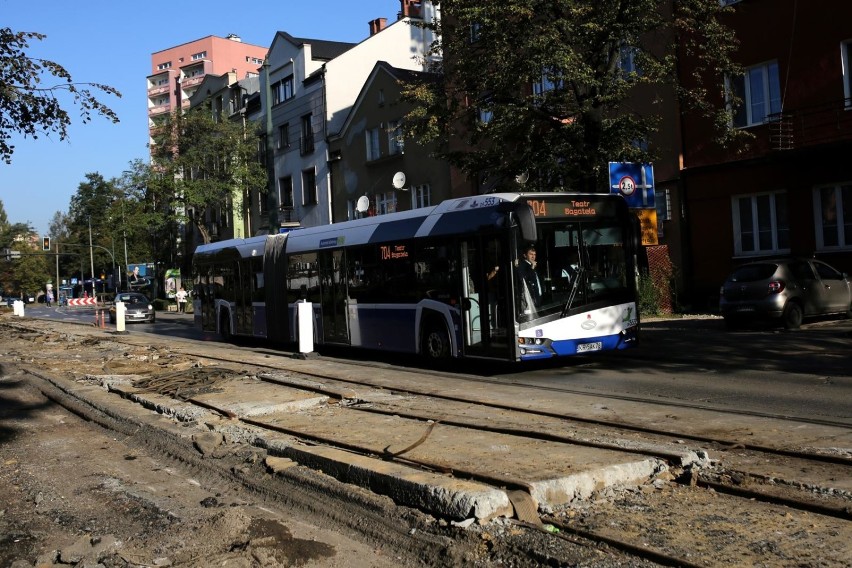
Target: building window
(165, 65)
(309, 186)
(485, 111)
(833, 216)
(283, 136)
(372, 141)
(199, 55)
(760, 90)
(627, 61)
(385, 203)
(760, 224)
(421, 196)
(475, 32)
(846, 58)
(307, 144)
(282, 90)
(396, 142)
(285, 192)
(548, 82)
(255, 60)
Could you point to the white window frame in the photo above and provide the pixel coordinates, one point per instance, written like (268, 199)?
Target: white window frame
(310, 195)
(285, 193)
(283, 136)
(421, 196)
(371, 140)
(756, 228)
(199, 55)
(385, 203)
(771, 105)
(844, 237)
(396, 142)
(163, 66)
(846, 61)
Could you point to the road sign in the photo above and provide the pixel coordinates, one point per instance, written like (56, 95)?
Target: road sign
(634, 181)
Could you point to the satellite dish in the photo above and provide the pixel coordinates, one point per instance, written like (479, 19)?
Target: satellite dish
(399, 180)
(522, 178)
(362, 204)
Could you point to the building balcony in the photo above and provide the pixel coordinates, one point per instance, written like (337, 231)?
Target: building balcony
(188, 82)
(157, 110)
(154, 91)
(809, 126)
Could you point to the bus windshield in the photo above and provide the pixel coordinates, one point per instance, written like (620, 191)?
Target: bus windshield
(578, 264)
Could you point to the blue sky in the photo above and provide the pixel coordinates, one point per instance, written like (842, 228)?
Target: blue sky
(111, 42)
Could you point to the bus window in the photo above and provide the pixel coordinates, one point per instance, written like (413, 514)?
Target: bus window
(303, 278)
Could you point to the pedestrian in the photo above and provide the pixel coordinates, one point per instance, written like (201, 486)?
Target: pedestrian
(48, 298)
(180, 296)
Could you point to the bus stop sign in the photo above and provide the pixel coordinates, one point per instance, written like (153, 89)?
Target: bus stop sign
(634, 181)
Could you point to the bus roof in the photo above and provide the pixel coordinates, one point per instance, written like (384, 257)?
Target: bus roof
(445, 218)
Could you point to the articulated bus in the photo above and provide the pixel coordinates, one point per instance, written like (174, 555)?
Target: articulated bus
(440, 281)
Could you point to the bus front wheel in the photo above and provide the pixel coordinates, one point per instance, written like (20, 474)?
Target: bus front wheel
(436, 343)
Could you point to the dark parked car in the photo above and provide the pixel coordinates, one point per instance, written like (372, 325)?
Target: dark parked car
(787, 290)
(137, 306)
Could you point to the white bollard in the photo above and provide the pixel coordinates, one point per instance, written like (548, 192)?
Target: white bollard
(18, 308)
(305, 319)
(120, 310)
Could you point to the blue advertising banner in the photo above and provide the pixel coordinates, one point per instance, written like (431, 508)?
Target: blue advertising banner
(634, 181)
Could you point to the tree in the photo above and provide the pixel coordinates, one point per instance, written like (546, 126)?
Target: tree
(29, 108)
(205, 165)
(542, 89)
(29, 273)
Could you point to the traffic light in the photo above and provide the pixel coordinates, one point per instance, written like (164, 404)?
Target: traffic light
(45, 243)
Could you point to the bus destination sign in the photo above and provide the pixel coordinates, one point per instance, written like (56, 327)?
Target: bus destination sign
(579, 208)
(393, 252)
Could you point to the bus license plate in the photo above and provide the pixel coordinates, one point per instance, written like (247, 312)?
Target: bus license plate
(586, 347)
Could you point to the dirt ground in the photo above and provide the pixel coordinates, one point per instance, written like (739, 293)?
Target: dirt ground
(89, 487)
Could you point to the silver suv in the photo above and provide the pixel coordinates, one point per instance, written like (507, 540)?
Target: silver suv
(788, 289)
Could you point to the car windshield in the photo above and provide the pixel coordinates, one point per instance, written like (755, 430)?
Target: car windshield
(130, 299)
(753, 272)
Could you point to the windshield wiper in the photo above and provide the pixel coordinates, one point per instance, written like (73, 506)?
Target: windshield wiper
(574, 288)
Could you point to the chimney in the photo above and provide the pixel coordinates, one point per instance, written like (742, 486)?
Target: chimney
(377, 25)
(411, 8)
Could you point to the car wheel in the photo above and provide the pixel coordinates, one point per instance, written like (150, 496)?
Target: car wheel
(792, 316)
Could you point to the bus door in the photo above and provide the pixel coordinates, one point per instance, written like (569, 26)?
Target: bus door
(204, 292)
(333, 296)
(485, 292)
(243, 297)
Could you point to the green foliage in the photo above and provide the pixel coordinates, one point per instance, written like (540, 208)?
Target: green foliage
(563, 136)
(205, 164)
(649, 296)
(31, 109)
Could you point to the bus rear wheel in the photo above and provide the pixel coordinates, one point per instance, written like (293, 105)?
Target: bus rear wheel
(435, 343)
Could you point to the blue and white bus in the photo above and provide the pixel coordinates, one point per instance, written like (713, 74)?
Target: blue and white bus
(440, 281)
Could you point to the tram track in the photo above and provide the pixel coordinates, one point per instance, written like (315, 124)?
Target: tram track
(585, 533)
(703, 481)
(716, 441)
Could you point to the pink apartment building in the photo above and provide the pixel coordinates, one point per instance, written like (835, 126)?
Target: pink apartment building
(178, 71)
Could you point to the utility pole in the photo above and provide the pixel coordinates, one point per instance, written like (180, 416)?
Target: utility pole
(91, 256)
